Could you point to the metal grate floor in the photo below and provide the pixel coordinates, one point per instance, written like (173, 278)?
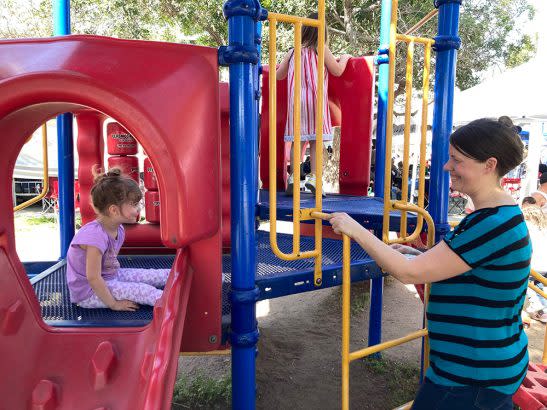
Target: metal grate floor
(274, 278)
(368, 211)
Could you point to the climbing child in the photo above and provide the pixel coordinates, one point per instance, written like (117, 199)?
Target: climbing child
(94, 277)
(308, 97)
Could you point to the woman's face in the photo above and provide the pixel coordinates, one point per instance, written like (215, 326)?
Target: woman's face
(465, 172)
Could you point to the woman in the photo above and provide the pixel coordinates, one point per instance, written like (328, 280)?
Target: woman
(479, 275)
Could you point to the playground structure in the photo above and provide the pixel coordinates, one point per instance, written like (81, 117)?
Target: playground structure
(220, 264)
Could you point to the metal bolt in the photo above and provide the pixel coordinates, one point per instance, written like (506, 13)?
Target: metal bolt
(212, 339)
(318, 281)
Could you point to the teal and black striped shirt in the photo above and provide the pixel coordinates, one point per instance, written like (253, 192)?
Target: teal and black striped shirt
(475, 328)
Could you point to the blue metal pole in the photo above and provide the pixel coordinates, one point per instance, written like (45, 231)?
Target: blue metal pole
(257, 71)
(376, 301)
(447, 43)
(65, 144)
(383, 84)
(377, 284)
(242, 55)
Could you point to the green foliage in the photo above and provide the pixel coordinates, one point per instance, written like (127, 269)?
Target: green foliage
(40, 220)
(203, 392)
(359, 297)
(489, 29)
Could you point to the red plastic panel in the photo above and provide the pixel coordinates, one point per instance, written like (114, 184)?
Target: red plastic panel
(532, 394)
(90, 148)
(225, 163)
(129, 165)
(353, 94)
(152, 206)
(150, 181)
(351, 97)
(281, 156)
(119, 141)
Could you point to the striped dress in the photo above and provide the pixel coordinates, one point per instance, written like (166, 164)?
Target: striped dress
(308, 98)
(475, 328)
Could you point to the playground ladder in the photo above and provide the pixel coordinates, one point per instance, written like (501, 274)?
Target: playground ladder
(389, 205)
(299, 215)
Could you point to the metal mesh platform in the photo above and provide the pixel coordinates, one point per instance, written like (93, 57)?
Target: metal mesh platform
(368, 211)
(52, 292)
(275, 278)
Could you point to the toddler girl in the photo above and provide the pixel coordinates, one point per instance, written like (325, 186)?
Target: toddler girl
(308, 97)
(94, 277)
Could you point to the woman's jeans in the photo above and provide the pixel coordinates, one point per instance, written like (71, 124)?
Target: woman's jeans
(436, 397)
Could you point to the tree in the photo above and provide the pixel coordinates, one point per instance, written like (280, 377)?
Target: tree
(488, 29)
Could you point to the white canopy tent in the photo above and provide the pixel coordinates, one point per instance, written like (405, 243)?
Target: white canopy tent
(520, 93)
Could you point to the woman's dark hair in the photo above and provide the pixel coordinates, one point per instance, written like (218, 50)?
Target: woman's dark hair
(486, 138)
(113, 188)
(309, 34)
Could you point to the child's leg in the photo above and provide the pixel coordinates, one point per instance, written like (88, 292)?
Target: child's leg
(297, 162)
(140, 293)
(154, 277)
(312, 156)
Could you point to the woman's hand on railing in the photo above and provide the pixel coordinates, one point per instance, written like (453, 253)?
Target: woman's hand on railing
(342, 223)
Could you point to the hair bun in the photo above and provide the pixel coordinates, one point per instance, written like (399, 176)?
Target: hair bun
(114, 172)
(99, 174)
(505, 120)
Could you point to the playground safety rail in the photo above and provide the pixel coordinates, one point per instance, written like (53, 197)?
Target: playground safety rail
(389, 205)
(347, 356)
(298, 213)
(45, 185)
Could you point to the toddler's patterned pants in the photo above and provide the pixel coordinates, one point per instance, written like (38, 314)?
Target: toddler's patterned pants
(137, 285)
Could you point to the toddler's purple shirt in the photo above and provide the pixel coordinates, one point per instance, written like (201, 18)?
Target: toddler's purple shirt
(92, 234)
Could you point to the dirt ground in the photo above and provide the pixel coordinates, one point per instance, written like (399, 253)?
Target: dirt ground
(299, 359)
(298, 364)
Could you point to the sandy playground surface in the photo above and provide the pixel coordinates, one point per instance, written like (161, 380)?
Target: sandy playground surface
(298, 364)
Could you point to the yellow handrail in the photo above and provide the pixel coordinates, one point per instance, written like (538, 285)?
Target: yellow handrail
(298, 213)
(411, 41)
(45, 185)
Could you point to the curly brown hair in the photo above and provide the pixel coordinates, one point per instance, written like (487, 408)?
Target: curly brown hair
(535, 216)
(113, 188)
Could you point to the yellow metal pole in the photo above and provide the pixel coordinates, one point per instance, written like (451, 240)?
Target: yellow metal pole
(406, 144)
(295, 161)
(286, 18)
(45, 185)
(272, 110)
(318, 229)
(346, 294)
(423, 139)
(359, 354)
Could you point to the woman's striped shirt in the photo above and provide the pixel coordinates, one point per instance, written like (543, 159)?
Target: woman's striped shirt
(475, 328)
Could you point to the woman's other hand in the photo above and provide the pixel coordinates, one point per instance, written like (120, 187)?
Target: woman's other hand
(405, 250)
